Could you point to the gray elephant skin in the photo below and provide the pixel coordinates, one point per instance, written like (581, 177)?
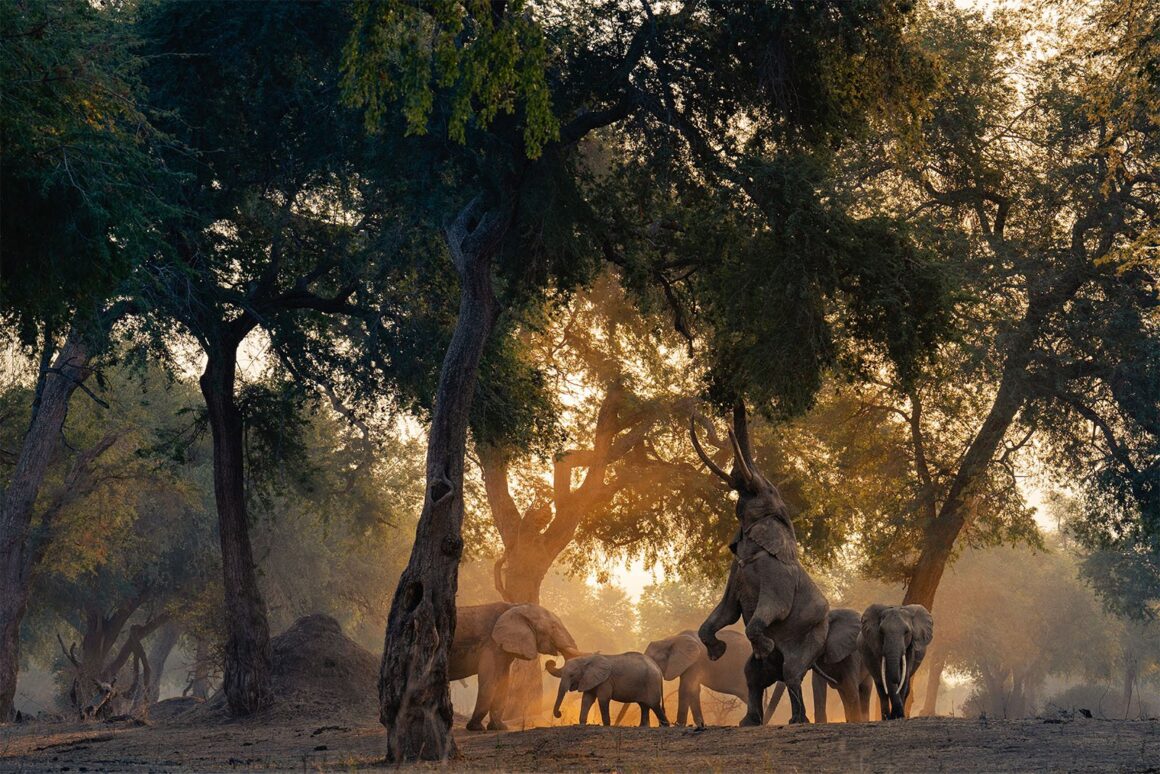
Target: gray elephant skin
(841, 667)
(784, 610)
(489, 637)
(684, 657)
(894, 642)
(625, 677)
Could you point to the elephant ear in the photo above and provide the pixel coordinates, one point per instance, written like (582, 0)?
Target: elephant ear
(597, 670)
(922, 625)
(871, 623)
(772, 535)
(684, 651)
(842, 637)
(513, 633)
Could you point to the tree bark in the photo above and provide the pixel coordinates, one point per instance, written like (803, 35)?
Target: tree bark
(70, 369)
(246, 678)
(414, 700)
(522, 582)
(941, 534)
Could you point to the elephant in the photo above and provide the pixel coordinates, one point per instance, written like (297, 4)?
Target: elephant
(785, 612)
(841, 667)
(684, 656)
(625, 677)
(893, 644)
(489, 637)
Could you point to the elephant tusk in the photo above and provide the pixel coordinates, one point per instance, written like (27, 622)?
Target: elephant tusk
(902, 675)
(885, 685)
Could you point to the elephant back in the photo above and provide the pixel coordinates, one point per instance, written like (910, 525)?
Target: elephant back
(473, 623)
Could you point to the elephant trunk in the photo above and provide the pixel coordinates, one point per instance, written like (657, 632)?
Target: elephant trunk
(893, 671)
(553, 670)
(559, 697)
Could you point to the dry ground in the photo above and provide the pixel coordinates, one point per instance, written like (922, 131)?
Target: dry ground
(919, 745)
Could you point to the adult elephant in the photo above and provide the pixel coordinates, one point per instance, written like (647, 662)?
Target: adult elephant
(784, 610)
(489, 637)
(894, 642)
(841, 667)
(684, 657)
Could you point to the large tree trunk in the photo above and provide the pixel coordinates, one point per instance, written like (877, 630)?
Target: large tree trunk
(18, 500)
(246, 678)
(522, 582)
(939, 542)
(414, 701)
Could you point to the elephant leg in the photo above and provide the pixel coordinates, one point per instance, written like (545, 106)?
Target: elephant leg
(794, 665)
(695, 704)
(864, 690)
(883, 700)
(643, 714)
(585, 705)
(605, 715)
(499, 699)
(488, 678)
(848, 691)
(659, 711)
(819, 686)
(774, 700)
(683, 706)
(727, 611)
(759, 673)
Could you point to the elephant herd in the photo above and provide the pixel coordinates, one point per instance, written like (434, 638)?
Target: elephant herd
(789, 630)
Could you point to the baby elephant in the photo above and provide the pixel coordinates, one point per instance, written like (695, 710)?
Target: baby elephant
(625, 677)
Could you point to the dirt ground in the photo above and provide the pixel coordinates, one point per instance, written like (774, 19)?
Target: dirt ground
(918, 745)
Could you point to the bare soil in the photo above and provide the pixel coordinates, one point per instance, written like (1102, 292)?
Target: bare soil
(918, 745)
(325, 719)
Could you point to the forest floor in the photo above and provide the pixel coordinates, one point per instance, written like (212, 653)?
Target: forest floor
(918, 745)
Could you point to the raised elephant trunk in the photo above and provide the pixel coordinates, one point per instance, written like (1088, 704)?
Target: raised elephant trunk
(553, 670)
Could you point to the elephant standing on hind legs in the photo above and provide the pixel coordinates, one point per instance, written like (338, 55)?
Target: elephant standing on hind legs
(489, 637)
(894, 641)
(784, 610)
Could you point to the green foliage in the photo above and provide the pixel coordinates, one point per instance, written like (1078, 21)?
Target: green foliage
(80, 182)
(673, 606)
(483, 58)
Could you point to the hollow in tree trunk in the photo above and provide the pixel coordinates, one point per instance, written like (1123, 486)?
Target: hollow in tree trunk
(246, 678)
(414, 700)
(69, 370)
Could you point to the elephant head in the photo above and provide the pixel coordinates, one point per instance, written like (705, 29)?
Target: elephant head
(579, 674)
(674, 655)
(525, 630)
(895, 638)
